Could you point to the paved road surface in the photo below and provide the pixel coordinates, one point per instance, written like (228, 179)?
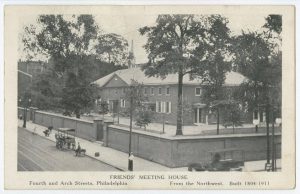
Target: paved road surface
(36, 153)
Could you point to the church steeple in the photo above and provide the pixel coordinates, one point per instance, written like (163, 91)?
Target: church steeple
(131, 46)
(131, 58)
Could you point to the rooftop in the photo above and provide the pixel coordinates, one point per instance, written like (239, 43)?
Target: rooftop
(127, 75)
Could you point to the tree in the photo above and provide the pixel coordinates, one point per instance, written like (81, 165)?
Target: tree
(113, 48)
(214, 48)
(66, 41)
(143, 117)
(252, 60)
(258, 57)
(169, 46)
(69, 43)
(76, 98)
(274, 23)
(273, 29)
(232, 114)
(103, 108)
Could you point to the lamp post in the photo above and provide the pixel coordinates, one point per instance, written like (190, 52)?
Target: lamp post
(26, 105)
(130, 164)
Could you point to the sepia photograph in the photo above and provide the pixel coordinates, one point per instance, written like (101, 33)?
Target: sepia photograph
(184, 93)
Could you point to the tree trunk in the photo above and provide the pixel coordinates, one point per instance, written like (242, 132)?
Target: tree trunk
(179, 104)
(218, 121)
(256, 105)
(77, 112)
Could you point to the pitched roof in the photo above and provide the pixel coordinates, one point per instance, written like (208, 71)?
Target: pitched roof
(127, 75)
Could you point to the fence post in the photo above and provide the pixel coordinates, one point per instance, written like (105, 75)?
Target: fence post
(32, 111)
(105, 132)
(97, 123)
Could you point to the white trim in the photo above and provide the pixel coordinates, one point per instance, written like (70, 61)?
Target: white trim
(196, 91)
(163, 107)
(29, 75)
(198, 114)
(123, 103)
(169, 104)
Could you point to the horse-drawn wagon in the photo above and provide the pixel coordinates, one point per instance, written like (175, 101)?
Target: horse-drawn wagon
(65, 138)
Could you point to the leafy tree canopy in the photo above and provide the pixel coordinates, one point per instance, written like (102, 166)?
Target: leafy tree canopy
(69, 44)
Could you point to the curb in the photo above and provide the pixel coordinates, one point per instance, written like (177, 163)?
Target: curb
(88, 155)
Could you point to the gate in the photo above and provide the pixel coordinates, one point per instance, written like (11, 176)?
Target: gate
(99, 132)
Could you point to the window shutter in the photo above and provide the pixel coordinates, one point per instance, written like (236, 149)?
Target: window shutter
(169, 107)
(163, 107)
(156, 109)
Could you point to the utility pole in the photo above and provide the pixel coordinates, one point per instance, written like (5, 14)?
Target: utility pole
(273, 141)
(268, 132)
(218, 120)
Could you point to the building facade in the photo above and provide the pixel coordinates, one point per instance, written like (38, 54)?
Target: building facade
(161, 95)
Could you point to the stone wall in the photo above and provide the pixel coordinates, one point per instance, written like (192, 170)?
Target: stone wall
(182, 150)
(84, 129)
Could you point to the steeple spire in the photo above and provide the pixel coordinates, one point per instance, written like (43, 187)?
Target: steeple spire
(132, 46)
(131, 62)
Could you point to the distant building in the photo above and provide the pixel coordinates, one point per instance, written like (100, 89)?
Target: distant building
(31, 67)
(162, 94)
(26, 71)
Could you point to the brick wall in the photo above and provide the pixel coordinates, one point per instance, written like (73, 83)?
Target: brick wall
(116, 92)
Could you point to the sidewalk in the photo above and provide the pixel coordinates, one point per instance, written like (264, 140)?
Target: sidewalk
(259, 165)
(108, 155)
(119, 159)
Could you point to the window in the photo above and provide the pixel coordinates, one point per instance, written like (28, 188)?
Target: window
(145, 91)
(163, 107)
(159, 91)
(152, 91)
(198, 91)
(167, 91)
(123, 103)
(168, 107)
(123, 90)
(158, 106)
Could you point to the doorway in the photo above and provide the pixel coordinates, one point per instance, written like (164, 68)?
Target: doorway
(198, 115)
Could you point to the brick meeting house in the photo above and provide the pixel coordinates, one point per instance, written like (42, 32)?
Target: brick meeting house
(161, 94)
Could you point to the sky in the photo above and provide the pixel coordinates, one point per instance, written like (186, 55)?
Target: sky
(128, 25)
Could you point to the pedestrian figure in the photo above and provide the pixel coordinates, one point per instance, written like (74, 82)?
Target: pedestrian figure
(130, 161)
(216, 165)
(77, 151)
